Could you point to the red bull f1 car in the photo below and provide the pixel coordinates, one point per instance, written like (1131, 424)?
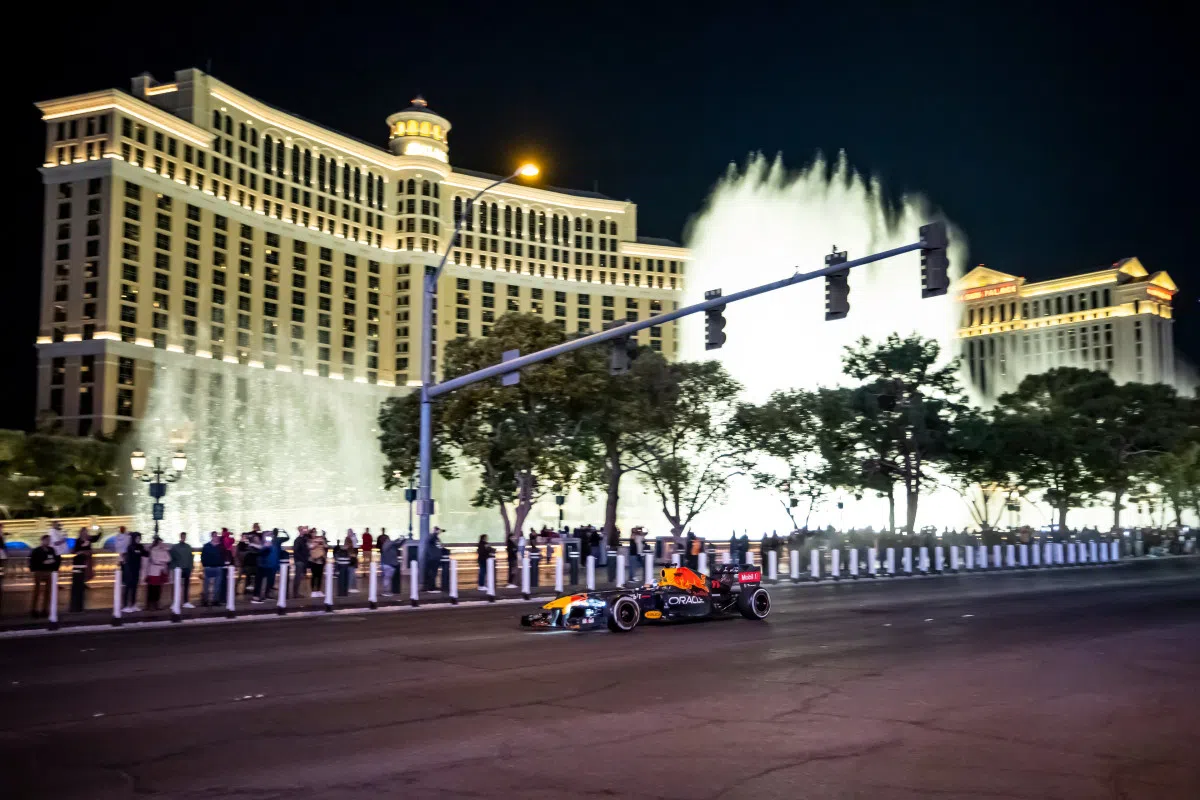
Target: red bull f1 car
(678, 594)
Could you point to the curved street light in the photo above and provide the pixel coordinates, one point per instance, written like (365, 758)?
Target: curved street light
(425, 471)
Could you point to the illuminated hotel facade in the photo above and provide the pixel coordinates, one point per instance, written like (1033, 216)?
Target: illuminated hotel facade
(1117, 320)
(189, 221)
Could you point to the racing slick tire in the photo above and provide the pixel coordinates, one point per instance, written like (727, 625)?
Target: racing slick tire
(755, 604)
(624, 615)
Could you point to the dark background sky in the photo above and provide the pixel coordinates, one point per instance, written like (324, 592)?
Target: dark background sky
(1060, 136)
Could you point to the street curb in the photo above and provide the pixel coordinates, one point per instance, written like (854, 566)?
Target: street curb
(107, 627)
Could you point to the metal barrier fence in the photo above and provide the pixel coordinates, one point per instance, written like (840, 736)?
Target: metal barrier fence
(225, 591)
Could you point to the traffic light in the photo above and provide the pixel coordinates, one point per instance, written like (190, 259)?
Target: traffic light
(837, 287)
(621, 352)
(935, 265)
(714, 323)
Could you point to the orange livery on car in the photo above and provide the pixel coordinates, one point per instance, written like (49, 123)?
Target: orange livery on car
(679, 593)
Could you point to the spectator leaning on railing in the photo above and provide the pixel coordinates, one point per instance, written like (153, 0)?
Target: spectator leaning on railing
(43, 561)
(182, 559)
(212, 561)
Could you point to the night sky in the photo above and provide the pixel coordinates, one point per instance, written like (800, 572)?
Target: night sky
(1060, 140)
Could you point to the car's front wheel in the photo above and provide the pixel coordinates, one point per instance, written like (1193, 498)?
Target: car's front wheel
(755, 604)
(624, 615)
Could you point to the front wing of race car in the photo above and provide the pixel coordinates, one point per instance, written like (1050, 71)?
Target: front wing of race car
(573, 612)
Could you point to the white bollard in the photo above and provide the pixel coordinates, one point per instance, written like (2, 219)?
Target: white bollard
(281, 590)
(453, 582)
(1010, 555)
(591, 572)
(872, 562)
(675, 559)
(923, 560)
(491, 579)
(648, 563)
(814, 564)
(1072, 558)
(1024, 548)
(906, 560)
(969, 555)
(996, 562)
(1093, 551)
(558, 570)
(621, 568)
(891, 562)
(701, 565)
(835, 564)
(52, 611)
(329, 582)
(1114, 553)
(749, 558)
(795, 565)
(177, 595)
(772, 566)
(939, 559)
(230, 590)
(1035, 553)
(981, 557)
(116, 617)
(1048, 554)
(414, 583)
(525, 575)
(854, 563)
(954, 558)
(373, 584)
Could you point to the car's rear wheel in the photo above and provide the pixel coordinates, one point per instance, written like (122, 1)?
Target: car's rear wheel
(755, 604)
(624, 615)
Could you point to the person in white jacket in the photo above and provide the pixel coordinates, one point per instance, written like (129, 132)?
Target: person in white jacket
(58, 538)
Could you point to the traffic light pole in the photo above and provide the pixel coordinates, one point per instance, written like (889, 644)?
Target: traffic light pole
(429, 392)
(628, 328)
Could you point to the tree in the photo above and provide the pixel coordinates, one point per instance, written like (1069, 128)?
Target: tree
(686, 455)
(524, 439)
(399, 439)
(906, 409)
(1177, 474)
(1048, 423)
(1134, 424)
(75, 474)
(615, 419)
(980, 464)
(787, 447)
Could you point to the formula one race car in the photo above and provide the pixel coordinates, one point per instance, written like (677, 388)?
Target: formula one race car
(679, 593)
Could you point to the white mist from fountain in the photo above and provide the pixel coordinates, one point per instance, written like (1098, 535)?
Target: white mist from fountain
(763, 223)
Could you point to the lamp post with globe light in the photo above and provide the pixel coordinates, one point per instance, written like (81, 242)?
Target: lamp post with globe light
(158, 477)
(425, 476)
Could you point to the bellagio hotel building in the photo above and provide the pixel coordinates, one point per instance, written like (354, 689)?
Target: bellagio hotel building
(187, 220)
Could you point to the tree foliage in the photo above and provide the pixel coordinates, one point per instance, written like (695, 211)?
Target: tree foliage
(65, 469)
(904, 414)
(686, 454)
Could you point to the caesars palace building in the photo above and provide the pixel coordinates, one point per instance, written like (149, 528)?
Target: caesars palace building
(189, 223)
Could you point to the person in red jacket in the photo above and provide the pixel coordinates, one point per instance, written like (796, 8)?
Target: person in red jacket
(367, 544)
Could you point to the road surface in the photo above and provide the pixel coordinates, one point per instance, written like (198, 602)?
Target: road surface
(1067, 685)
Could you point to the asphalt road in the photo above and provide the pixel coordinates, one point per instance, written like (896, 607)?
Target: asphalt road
(1069, 685)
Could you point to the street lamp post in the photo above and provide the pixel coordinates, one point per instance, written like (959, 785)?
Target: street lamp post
(410, 494)
(158, 477)
(559, 499)
(425, 477)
